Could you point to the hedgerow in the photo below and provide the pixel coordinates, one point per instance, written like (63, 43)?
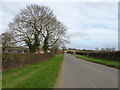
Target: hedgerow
(15, 60)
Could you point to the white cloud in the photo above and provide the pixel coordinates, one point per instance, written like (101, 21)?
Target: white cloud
(100, 35)
(60, 0)
(89, 25)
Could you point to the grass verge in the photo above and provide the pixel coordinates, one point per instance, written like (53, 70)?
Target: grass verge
(110, 63)
(38, 75)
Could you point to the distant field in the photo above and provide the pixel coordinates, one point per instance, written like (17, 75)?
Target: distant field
(101, 61)
(39, 75)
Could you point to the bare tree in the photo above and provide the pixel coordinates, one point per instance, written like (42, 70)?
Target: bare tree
(54, 33)
(29, 23)
(63, 48)
(113, 49)
(37, 26)
(55, 48)
(96, 49)
(7, 40)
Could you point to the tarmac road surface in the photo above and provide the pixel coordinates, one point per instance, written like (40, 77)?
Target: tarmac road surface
(78, 73)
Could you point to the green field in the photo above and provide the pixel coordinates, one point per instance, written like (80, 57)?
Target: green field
(38, 75)
(101, 61)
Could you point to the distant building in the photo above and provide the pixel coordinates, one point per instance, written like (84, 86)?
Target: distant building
(17, 50)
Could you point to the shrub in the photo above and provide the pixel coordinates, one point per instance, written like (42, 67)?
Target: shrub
(106, 55)
(113, 55)
(15, 60)
(70, 52)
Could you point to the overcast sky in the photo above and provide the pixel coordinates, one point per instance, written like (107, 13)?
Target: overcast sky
(89, 24)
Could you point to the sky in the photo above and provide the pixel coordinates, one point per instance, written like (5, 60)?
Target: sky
(89, 25)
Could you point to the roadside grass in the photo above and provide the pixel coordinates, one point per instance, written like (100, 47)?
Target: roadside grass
(110, 63)
(38, 75)
(0, 81)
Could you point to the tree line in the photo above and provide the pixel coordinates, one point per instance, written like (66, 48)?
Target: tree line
(35, 26)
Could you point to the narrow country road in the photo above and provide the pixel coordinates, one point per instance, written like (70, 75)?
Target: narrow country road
(78, 73)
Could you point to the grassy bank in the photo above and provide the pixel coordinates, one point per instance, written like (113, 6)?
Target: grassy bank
(114, 64)
(39, 75)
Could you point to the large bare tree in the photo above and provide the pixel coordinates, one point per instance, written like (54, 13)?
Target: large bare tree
(37, 26)
(54, 32)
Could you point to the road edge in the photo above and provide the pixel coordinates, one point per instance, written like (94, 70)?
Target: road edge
(60, 76)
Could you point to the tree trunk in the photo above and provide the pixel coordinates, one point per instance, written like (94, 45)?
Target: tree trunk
(36, 43)
(33, 47)
(45, 46)
(31, 50)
